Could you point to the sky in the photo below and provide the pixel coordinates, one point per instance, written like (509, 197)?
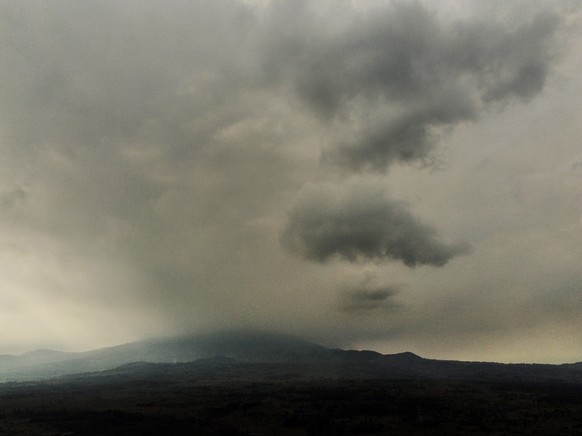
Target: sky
(395, 175)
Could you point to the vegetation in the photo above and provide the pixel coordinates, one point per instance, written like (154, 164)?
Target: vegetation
(244, 399)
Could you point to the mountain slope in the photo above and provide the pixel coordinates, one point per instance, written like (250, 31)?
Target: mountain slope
(286, 354)
(249, 346)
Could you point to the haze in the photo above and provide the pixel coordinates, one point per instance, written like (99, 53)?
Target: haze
(395, 175)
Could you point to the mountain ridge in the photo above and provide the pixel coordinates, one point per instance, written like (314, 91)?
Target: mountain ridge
(256, 347)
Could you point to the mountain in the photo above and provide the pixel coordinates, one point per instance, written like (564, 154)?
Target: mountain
(245, 346)
(10, 362)
(279, 355)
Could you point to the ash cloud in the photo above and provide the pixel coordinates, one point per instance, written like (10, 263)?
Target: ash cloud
(358, 222)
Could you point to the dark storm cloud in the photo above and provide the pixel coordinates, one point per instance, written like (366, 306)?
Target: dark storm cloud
(386, 87)
(408, 138)
(357, 222)
(420, 71)
(366, 299)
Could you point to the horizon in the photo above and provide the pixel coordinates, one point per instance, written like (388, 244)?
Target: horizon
(283, 335)
(390, 175)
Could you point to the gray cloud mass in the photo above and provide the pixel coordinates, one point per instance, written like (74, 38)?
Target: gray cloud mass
(357, 221)
(169, 167)
(418, 71)
(387, 84)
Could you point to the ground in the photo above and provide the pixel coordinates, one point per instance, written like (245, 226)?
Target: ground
(266, 401)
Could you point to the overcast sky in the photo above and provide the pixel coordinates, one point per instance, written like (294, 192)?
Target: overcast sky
(395, 175)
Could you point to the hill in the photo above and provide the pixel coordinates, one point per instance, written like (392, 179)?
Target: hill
(239, 350)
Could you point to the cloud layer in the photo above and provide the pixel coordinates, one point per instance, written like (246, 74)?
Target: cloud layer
(387, 86)
(217, 163)
(388, 79)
